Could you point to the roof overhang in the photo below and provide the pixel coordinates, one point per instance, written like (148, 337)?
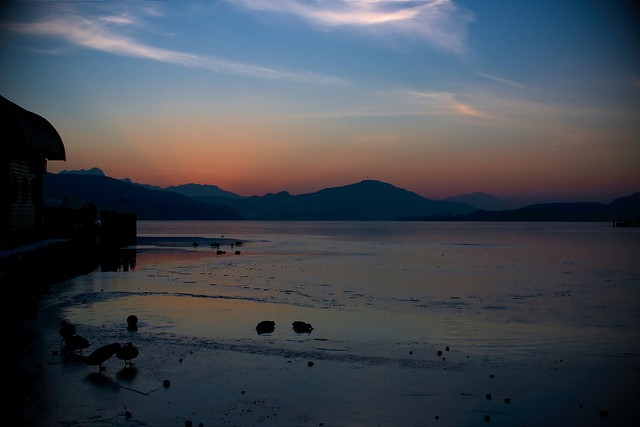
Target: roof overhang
(29, 133)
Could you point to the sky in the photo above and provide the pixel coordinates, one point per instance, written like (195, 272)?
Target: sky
(527, 100)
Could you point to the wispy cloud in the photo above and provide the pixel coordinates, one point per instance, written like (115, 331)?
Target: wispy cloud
(118, 19)
(439, 22)
(502, 80)
(445, 103)
(404, 102)
(97, 33)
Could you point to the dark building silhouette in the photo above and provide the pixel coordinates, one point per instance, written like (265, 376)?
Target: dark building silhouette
(29, 142)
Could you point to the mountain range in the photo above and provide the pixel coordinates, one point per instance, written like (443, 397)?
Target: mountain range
(77, 190)
(368, 200)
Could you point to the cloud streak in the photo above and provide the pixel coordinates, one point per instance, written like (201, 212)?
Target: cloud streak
(502, 80)
(95, 33)
(405, 102)
(446, 103)
(438, 22)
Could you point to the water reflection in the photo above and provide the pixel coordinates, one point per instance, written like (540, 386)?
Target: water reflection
(118, 259)
(486, 288)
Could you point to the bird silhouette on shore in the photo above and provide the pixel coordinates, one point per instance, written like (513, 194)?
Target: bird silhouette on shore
(75, 344)
(102, 354)
(132, 322)
(265, 327)
(128, 352)
(302, 327)
(67, 329)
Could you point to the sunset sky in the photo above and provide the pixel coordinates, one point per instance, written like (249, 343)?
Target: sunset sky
(527, 100)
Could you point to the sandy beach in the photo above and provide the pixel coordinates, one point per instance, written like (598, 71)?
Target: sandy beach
(201, 361)
(213, 386)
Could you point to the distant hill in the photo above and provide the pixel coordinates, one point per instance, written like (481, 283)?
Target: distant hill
(202, 192)
(482, 201)
(92, 171)
(76, 190)
(366, 200)
(627, 205)
(624, 208)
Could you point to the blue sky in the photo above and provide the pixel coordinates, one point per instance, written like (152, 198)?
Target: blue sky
(527, 100)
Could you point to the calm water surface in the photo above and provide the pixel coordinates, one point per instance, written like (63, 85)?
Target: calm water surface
(372, 290)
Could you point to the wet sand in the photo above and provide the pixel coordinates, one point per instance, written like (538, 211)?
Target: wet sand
(338, 375)
(221, 386)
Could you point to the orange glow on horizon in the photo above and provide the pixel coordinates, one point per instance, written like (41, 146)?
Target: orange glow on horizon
(255, 156)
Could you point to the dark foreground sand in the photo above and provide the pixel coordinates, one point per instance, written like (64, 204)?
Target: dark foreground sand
(204, 382)
(217, 387)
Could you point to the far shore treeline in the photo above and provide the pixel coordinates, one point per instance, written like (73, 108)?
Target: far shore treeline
(368, 200)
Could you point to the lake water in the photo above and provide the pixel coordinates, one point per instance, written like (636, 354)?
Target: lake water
(373, 290)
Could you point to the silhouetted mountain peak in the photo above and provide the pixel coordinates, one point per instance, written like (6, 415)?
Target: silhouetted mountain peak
(92, 171)
(369, 189)
(106, 193)
(628, 201)
(200, 191)
(364, 200)
(372, 184)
